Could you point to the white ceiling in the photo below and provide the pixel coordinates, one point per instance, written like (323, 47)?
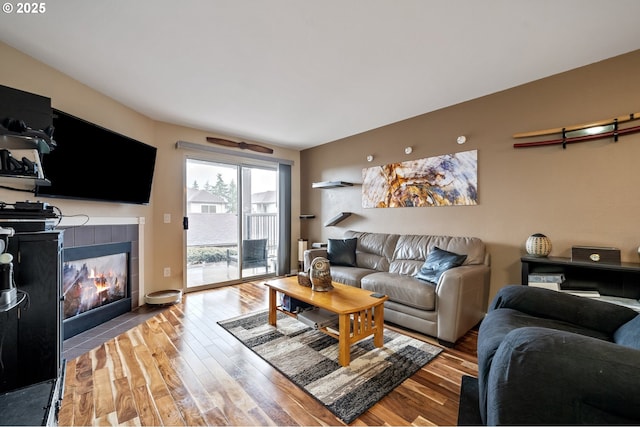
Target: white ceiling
(300, 73)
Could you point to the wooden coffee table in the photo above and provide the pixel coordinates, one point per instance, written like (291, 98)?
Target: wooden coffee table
(359, 314)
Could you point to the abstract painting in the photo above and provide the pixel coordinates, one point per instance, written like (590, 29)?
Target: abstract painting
(447, 180)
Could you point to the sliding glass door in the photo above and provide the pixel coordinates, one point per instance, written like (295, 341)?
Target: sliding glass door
(232, 216)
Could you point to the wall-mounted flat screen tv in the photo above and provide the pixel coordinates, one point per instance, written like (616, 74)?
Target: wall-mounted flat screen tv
(93, 163)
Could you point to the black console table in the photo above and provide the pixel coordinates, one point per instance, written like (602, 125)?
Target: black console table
(618, 280)
(32, 381)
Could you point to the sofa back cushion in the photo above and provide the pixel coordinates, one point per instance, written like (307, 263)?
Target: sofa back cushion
(374, 250)
(412, 250)
(589, 313)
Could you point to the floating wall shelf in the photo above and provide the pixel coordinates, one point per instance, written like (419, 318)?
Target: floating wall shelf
(25, 147)
(23, 183)
(336, 219)
(331, 184)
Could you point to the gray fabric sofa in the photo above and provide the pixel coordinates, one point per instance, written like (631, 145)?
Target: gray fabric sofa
(549, 358)
(387, 263)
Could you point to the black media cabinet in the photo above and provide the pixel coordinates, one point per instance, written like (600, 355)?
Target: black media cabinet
(617, 280)
(33, 377)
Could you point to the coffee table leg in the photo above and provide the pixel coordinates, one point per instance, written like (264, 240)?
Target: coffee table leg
(344, 351)
(272, 306)
(378, 317)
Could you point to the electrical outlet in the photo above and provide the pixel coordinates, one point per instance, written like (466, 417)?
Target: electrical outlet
(167, 272)
(167, 218)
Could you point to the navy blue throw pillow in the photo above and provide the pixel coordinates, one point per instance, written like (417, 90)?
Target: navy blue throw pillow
(342, 252)
(628, 334)
(438, 261)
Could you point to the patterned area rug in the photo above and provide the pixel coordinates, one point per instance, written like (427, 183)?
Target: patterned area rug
(309, 358)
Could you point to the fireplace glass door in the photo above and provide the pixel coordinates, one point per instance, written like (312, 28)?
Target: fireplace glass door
(95, 285)
(232, 217)
(94, 282)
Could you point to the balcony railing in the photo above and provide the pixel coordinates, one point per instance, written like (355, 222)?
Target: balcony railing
(263, 226)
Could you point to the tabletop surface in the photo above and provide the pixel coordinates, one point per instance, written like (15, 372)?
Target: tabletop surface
(342, 299)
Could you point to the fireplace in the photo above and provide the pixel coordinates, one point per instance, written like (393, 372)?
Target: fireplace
(95, 285)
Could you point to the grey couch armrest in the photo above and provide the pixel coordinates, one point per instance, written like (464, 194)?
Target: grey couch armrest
(542, 376)
(462, 300)
(587, 312)
(310, 254)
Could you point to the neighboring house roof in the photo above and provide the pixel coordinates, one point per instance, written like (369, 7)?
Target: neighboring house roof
(264, 197)
(202, 196)
(206, 229)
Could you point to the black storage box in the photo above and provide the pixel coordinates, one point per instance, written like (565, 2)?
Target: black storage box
(293, 305)
(594, 254)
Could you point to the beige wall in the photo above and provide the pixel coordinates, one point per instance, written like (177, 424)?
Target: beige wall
(169, 192)
(163, 243)
(588, 194)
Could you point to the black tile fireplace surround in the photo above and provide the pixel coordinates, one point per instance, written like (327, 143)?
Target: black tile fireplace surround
(92, 237)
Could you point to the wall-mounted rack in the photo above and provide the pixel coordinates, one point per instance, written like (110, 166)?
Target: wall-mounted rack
(607, 128)
(21, 168)
(25, 134)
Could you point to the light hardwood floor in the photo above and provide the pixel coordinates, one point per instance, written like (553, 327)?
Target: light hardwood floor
(181, 368)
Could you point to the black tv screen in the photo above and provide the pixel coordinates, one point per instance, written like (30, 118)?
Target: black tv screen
(93, 163)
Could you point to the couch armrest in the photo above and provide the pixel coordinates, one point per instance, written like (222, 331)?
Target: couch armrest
(311, 254)
(542, 376)
(462, 296)
(590, 313)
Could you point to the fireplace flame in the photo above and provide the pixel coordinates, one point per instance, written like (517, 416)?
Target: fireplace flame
(94, 286)
(101, 283)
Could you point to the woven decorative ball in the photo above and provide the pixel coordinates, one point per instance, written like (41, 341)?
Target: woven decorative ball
(538, 245)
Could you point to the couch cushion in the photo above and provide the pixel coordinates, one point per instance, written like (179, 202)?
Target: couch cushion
(402, 289)
(588, 312)
(374, 250)
(438, 261)
(342, 252)
(497, 324)
(349, 275)
(417, 247)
